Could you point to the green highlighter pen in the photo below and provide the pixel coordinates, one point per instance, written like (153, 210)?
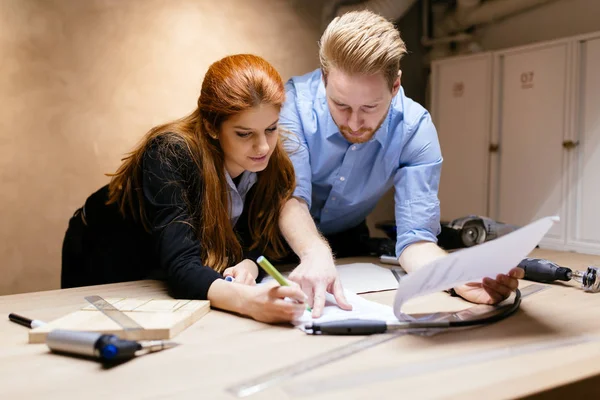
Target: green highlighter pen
(272, 271)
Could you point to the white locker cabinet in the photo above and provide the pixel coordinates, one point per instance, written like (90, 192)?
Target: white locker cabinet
(584, 186)
(461, 105)
(542, 114)
(530, 129)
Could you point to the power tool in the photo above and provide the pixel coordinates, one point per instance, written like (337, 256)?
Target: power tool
(541, 270)
(461, 232)
(471, 230)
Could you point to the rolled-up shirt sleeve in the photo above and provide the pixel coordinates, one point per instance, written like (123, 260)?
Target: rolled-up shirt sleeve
(416, 184)
(295, 144)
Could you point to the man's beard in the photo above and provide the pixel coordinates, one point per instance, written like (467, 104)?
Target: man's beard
(365, 133)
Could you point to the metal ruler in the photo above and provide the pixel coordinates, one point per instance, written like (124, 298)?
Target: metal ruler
(113, 313)
(278, 376)
(319, 386)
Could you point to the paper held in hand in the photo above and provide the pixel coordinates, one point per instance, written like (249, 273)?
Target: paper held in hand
(472, 264)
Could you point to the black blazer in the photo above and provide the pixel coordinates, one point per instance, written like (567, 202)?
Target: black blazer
(101, 246)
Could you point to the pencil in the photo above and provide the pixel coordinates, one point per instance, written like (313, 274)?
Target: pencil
(272, 271)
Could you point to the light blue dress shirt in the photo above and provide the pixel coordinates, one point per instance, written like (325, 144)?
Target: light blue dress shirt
(342, 182)
(237, 194)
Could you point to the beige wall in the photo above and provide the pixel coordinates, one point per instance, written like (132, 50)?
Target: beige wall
(80, 83)
(554, 20)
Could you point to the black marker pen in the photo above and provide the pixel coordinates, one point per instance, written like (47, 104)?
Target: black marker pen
(30, 323)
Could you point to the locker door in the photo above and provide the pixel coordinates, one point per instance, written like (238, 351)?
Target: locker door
(461, 113)
(532, 116)
(585, 185)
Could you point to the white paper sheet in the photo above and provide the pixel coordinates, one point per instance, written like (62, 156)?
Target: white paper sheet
(488, 259)
(366, 277)
(361, 309)
(362, 278)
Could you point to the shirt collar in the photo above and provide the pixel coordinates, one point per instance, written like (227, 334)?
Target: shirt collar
(246, 182)
(382, 132)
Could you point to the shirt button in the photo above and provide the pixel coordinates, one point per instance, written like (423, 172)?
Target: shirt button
(325, 211)
(342, 178)
(353, 147)
(333, 198)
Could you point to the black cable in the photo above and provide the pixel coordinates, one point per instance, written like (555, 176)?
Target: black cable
(367, 327)
(492, 318)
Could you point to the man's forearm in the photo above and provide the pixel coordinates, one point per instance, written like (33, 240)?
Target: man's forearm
(299, 229)
(419, 254)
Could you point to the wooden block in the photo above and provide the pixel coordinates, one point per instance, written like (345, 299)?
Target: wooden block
(161, 319)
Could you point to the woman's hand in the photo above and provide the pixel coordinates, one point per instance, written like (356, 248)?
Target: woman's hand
(244, 272)
(273, 303)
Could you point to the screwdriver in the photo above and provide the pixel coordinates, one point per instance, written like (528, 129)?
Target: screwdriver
(545, 271)
(103, 347)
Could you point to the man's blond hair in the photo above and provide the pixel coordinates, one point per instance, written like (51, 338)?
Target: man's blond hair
(362, 42)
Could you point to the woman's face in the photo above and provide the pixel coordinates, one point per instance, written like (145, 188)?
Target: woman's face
(249, 138)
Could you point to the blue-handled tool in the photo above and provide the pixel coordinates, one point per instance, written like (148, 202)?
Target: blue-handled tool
(102, 347)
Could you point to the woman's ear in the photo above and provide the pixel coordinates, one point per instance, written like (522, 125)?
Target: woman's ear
(209, 130)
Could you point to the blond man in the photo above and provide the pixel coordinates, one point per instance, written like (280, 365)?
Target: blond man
(358, 135)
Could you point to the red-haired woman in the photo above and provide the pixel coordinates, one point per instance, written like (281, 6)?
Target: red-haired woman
(198, 199)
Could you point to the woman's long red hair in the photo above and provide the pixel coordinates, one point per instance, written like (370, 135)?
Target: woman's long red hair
(231, 85)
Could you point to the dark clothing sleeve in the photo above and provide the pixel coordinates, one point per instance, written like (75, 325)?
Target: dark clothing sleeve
(103, 246)
(175, 243)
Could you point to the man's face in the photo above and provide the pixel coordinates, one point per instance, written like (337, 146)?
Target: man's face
(359, 103)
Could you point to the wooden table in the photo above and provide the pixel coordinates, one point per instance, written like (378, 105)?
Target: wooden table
(223, 349)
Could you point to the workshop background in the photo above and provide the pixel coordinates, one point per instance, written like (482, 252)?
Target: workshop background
(82, 80)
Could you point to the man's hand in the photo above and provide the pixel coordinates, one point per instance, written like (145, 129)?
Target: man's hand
(316, 275)
(244, 272)
(491, 291)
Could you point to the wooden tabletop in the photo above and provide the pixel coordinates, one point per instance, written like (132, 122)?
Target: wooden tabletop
(223, 349)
